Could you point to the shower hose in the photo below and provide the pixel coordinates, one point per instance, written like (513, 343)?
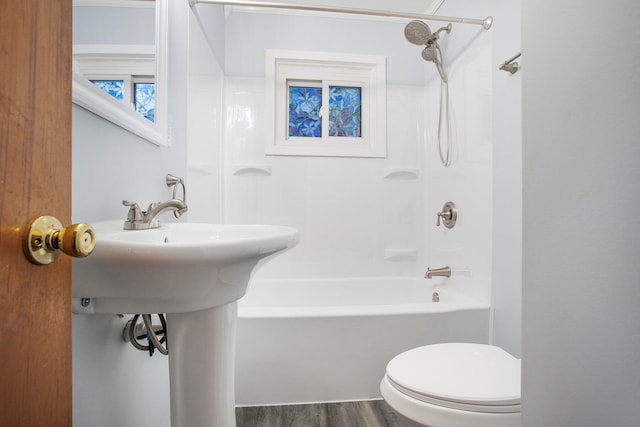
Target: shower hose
(446, 158)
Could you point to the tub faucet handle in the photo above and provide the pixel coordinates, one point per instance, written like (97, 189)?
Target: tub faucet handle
(449, 215)
(444, 215)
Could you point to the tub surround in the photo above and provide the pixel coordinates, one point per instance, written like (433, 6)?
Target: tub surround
(358, 218)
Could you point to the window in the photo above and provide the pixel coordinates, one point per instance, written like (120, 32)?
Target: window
(137, 91)
(305, 105)
(114, 88)
(344, 117)
(144, 97)
(124, 72)
(326, 104)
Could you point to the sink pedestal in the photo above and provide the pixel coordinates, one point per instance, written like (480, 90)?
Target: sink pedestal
(202, 366)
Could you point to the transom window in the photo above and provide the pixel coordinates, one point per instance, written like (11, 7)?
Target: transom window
(326, 104)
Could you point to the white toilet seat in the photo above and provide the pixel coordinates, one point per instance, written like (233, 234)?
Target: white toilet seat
(455, 383)
(489, 409)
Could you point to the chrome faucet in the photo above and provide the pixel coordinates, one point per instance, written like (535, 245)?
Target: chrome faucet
(443, 272)
(144, 220)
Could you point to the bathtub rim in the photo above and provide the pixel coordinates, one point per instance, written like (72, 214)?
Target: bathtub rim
(451, 300)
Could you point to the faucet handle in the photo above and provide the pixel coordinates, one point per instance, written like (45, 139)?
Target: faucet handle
(134, 210)
(445, 215)
(449, 215)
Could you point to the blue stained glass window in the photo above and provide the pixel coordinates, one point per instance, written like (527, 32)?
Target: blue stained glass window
(345, 105)
(304, 111)
(144, 99)
(114, 88)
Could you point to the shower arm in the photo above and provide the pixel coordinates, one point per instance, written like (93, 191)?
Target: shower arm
(485, 23)
(436, 35)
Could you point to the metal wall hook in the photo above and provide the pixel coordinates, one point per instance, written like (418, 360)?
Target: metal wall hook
(174, 181)
(511, 66)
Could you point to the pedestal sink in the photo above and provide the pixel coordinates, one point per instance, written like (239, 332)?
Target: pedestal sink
(194, 273)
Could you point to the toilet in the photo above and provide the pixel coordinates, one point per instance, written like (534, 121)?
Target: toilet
(454, 385)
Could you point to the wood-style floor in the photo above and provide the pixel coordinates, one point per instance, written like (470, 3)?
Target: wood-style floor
(369, 413)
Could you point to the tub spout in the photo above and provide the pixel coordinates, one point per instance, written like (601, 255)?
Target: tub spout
(442, 271)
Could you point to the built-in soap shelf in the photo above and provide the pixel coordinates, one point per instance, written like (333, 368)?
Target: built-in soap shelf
(201, 169)
(252, 170)
(401, 255)
(400, 173)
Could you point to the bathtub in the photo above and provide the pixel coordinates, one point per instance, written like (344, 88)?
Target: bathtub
(330, 340)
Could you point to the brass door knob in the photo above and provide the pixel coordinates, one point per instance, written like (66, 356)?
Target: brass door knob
(45, 238)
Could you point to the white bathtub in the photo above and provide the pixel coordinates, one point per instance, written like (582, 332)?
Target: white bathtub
(330, 340)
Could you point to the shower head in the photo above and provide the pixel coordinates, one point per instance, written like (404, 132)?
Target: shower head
(429, 53)
(432, 53)
(417, 32)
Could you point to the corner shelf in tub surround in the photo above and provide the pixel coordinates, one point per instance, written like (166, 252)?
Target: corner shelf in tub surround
(401, 173)
(253, 170)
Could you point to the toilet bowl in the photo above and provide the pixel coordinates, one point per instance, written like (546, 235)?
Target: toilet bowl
(454, 385)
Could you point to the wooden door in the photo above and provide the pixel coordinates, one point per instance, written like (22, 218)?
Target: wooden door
(35, 179)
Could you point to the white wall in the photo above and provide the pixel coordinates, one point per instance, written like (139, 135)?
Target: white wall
(249, 34)
(210, 19)
(507, 179)
(581, 104)
(110, 377)
(94, 24)
(114, 384)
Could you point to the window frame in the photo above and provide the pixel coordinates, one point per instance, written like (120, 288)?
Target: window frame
(367, 72)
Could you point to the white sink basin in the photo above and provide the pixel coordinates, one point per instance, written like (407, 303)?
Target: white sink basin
(177, 268)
